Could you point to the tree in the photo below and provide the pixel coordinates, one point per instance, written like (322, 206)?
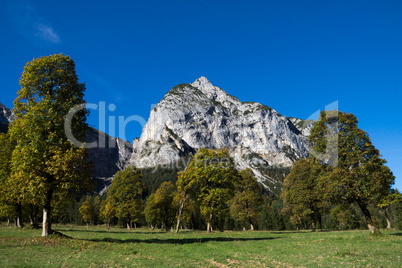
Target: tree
(45, 163)
(387, 201)
(10, 207)
(359, 175)
(107, 212)
(86, 210)
(209, 180)
(160, 207)
(125, 195)
(301, 194)
(245, 206)
(397, 208)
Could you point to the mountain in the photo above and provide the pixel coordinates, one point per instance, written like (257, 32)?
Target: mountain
(109, 156)
(304, 126)
(201, 115)
(6, 116)
(194, 116)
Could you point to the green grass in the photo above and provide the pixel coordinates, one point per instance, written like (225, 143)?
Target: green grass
(98, 247)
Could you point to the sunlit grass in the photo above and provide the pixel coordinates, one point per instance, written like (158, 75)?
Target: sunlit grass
(146, 248)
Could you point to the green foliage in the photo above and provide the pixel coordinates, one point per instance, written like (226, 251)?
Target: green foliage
(155, 176)
(245, 206)
(8, 194)
(359, 174)
(125, 196)
(209, 180)
(346, 217)
(161, 208)
(45, 164)
(397, 208)
(301, 193)
(86, 210)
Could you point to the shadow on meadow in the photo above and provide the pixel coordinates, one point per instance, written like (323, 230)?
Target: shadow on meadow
(180, 241)
(111, 232)
(397, 234)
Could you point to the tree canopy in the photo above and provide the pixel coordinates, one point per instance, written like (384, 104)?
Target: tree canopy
(301, 193)
(360, 174)
(209, 180)
(45, 164)
(125, 196)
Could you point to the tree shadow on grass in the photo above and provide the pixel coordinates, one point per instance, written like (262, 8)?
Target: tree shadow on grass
(111, 232)
(397, 234)
(180, 241)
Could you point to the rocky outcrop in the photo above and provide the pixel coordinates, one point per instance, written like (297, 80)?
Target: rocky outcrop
(109, 156)
(6, 117)
(304, 126)
(201, 115)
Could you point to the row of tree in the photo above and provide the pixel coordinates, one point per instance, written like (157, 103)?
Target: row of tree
(345, 170)
(210, 187)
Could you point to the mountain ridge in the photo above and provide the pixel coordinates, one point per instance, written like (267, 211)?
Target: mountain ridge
(201, 115)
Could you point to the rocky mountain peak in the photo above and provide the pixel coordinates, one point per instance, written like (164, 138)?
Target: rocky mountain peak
(203, 84)
(201, 115)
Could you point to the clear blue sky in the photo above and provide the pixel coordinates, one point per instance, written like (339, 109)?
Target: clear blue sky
(294, 56)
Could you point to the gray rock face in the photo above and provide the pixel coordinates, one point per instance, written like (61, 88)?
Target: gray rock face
(304, 126)
(6, 115)
(200, 115)
(109, 156)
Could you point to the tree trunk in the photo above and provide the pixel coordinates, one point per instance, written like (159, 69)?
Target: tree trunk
(367, 216)
(18, 220)
(129, 225)
(313, 225)
(244, 228)
(180, 212)
(320, 222)
(47, 214)
(209, 226)
(251, 227)
(46, 224)
(387, 217)
(135, 225)
(108, 225)
(8, 222)
(87, 226)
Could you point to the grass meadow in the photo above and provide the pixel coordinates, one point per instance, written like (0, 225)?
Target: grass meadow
(118, 247)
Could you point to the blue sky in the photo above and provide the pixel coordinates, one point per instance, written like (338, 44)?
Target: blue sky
(294, 56)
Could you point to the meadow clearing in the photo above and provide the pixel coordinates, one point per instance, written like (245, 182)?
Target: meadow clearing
(143, 247)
